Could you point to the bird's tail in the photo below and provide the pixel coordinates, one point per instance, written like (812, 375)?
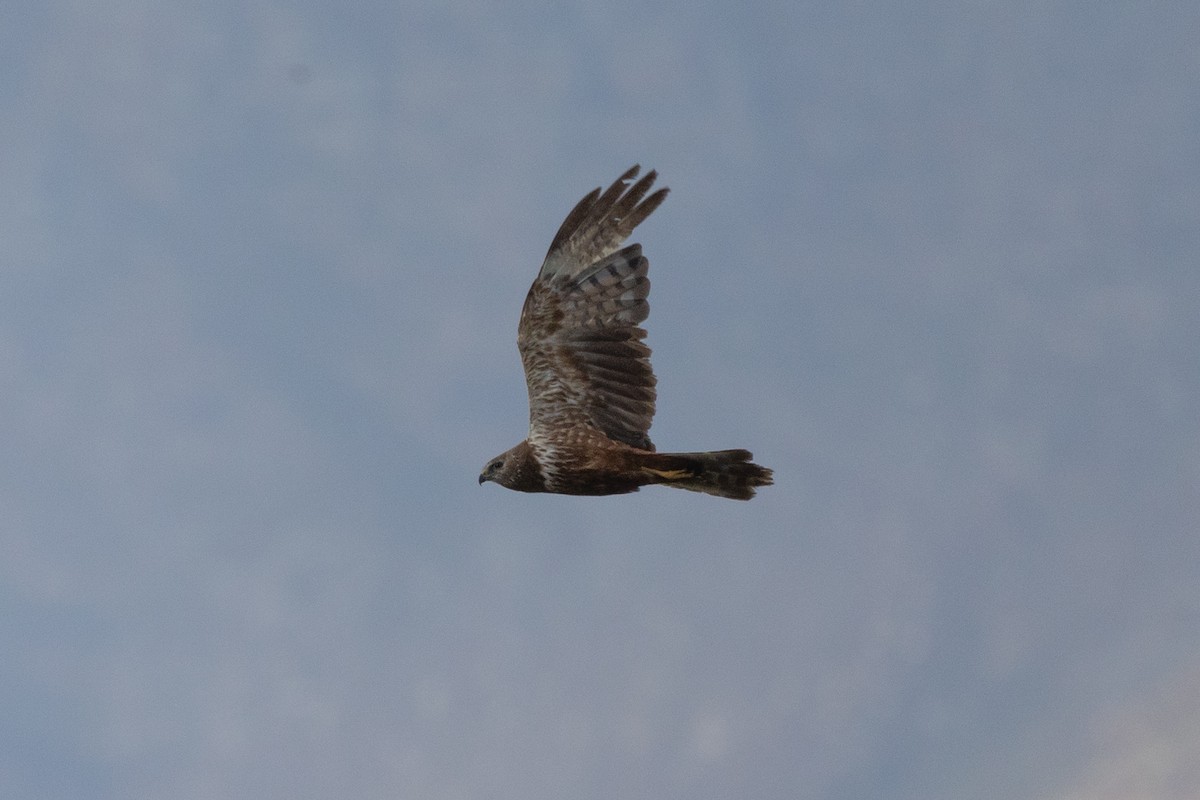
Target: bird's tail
(724, 473)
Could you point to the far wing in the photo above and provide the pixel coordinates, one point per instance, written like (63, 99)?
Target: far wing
(579, 336)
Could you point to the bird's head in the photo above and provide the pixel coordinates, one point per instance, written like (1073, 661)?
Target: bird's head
(493, 471)
(514, 469)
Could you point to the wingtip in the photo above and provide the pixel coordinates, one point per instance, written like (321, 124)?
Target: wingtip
(603, 219)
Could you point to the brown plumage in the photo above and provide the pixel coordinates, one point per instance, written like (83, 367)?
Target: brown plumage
(591, 388)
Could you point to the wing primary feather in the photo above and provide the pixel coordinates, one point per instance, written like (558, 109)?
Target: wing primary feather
(574, 219)
(592, 205)
(600, 222)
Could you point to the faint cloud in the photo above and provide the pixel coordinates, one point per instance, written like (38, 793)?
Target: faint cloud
(1149, 751)
(710, 737)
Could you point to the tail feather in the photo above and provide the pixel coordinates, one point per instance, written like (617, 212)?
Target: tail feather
(724, 473)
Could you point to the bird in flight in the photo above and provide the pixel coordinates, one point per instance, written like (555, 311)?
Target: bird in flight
(591, 388)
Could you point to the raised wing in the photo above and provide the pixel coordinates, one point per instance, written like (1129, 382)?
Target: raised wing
(579, 336)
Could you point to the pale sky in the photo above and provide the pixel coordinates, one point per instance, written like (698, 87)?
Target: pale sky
(936, 264)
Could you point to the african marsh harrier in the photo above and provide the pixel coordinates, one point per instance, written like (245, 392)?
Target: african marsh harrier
(591, 388)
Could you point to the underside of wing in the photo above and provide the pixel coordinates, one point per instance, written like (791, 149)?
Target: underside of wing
(580, 340)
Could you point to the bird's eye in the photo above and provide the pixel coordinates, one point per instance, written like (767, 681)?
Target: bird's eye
(494, 466)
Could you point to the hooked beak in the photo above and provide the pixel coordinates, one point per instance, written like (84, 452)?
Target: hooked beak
(481, 479)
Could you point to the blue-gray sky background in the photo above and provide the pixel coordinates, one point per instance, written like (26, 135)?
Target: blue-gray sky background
(937, 264)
